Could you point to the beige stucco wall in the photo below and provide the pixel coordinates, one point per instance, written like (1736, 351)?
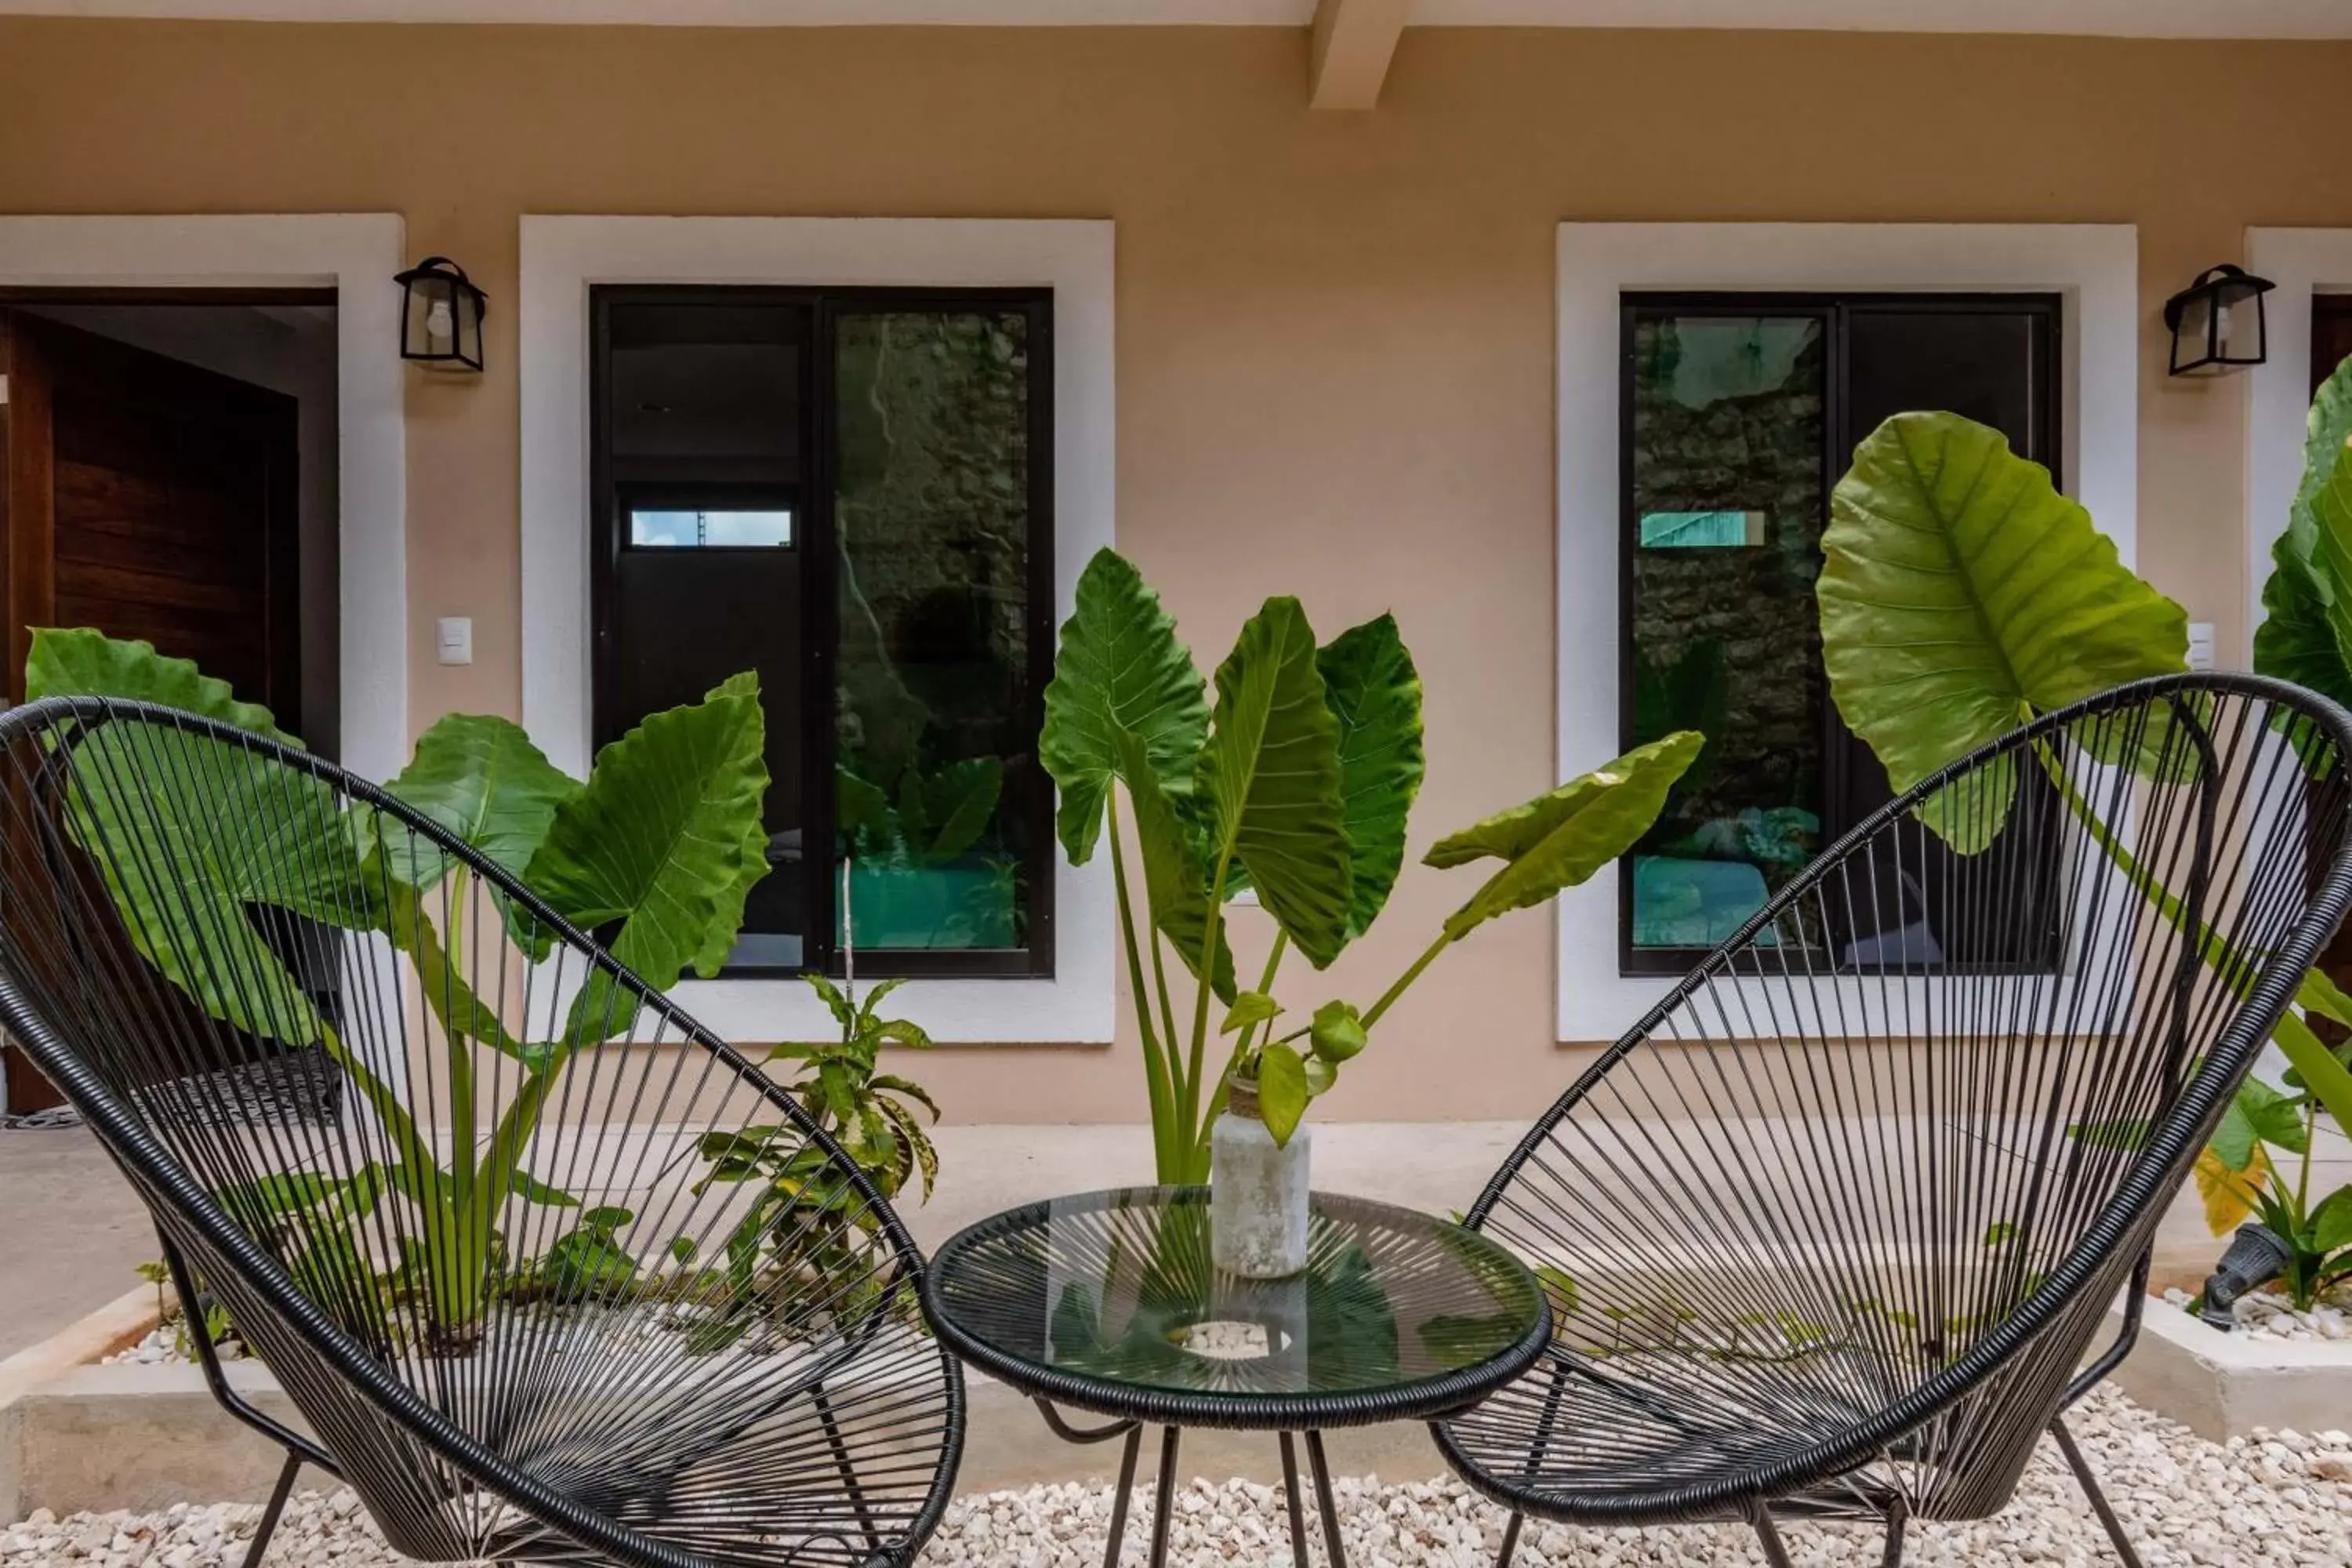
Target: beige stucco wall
(1335, 332)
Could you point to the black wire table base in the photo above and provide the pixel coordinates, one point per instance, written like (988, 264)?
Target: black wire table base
(1164, 1487)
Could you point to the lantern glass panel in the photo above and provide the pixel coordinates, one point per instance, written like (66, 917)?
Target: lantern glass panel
(2238, 325)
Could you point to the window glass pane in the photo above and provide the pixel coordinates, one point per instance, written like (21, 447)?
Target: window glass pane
(1728, 494)
(935, 732)
(653, 528)
(705, 405)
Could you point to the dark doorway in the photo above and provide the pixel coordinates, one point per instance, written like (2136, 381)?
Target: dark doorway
(170, 477)
(2331, 335)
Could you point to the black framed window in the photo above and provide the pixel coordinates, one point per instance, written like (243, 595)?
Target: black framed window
(849, 491)
(1737, 414)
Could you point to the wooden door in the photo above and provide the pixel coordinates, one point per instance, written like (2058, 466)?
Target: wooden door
(149, 499)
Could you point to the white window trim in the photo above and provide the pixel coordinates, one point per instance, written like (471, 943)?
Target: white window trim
(2301, 262)
(2093, 267)
(562, 256)
(356, 254)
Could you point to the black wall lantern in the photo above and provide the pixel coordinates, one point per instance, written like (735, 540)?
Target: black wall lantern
(440, 315)
(2217, 322)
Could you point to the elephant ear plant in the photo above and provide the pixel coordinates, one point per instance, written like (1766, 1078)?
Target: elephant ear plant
(1294, 781)
(657, 849)
(1962, 596)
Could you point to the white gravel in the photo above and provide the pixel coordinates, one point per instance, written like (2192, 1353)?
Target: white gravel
(161, 1346)
(2283, 1499)
(2264, 1316)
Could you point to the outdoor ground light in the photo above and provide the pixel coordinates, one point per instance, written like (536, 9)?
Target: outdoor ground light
(440, 315)
(2217, 322)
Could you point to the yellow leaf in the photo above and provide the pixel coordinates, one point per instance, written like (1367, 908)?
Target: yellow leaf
(2228, 1194)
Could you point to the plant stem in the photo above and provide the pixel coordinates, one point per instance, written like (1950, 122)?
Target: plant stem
(2323, 1075)
(1241, 1048)
(1389, 996)
(2303, 1171)
(1206, 973)
(1157, 1087)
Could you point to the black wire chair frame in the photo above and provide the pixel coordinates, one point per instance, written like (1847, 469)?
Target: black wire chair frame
(2228, 790)
(833, 1440)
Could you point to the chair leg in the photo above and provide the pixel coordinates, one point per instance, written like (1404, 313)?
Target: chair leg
(1119, 1499)
(1290, 1498)
(1321, 1471)
(1510, 1539)
(2090, 1485)
(1163, 1498)
(1898, 1516)
(1760, 1518)
(268, 1525)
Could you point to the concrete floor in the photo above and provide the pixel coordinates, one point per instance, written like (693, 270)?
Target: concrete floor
(70, 1232)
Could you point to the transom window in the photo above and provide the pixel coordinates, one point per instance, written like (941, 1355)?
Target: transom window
(1739, 414)
(849, 491)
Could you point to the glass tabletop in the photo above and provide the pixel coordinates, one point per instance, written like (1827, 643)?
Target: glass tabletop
(1108, 1301)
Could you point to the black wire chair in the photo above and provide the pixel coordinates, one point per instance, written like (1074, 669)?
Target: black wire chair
(1832, 1230)
(607, 1357)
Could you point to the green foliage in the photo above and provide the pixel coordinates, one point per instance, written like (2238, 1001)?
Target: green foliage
(181, 885)
(1375, 695)
(1298, 787)
(934, 819)
(1271, 773)
(1961, 596)
(1120, 671)
(660, 844)
(481, 778)
(666, 838)
(808, 1220)
(1560, 840)
(79, 662)
(2242, 1174)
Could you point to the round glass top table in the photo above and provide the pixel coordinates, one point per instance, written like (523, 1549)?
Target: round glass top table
(1109, 1302)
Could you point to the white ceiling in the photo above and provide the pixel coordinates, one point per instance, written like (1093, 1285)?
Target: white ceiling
(2127, 18)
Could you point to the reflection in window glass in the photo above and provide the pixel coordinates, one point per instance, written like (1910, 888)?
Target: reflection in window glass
(1727, 495)
(1702, 530)
(932, 513)
(705, 530)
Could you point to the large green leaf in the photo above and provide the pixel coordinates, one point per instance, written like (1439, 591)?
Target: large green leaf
(83, 662)
(1175, 880)
(2307, 602)
(2296, 641)
(1961, 594)
(2327, 429)
(188, 831)
(666, 838)
(1375, 694)
(1119, 669)
(1271, 773)
(481, 778)
(1558, 840)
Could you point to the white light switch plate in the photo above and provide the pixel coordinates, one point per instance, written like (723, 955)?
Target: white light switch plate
(2200, 645)
(454, 643)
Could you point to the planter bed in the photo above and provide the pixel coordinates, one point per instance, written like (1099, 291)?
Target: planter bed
(2224, 1385)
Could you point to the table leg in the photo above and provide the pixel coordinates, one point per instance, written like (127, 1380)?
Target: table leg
(1118, 1499)
(1290, 1496)
(1166, 1498)
(1330, 1510)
